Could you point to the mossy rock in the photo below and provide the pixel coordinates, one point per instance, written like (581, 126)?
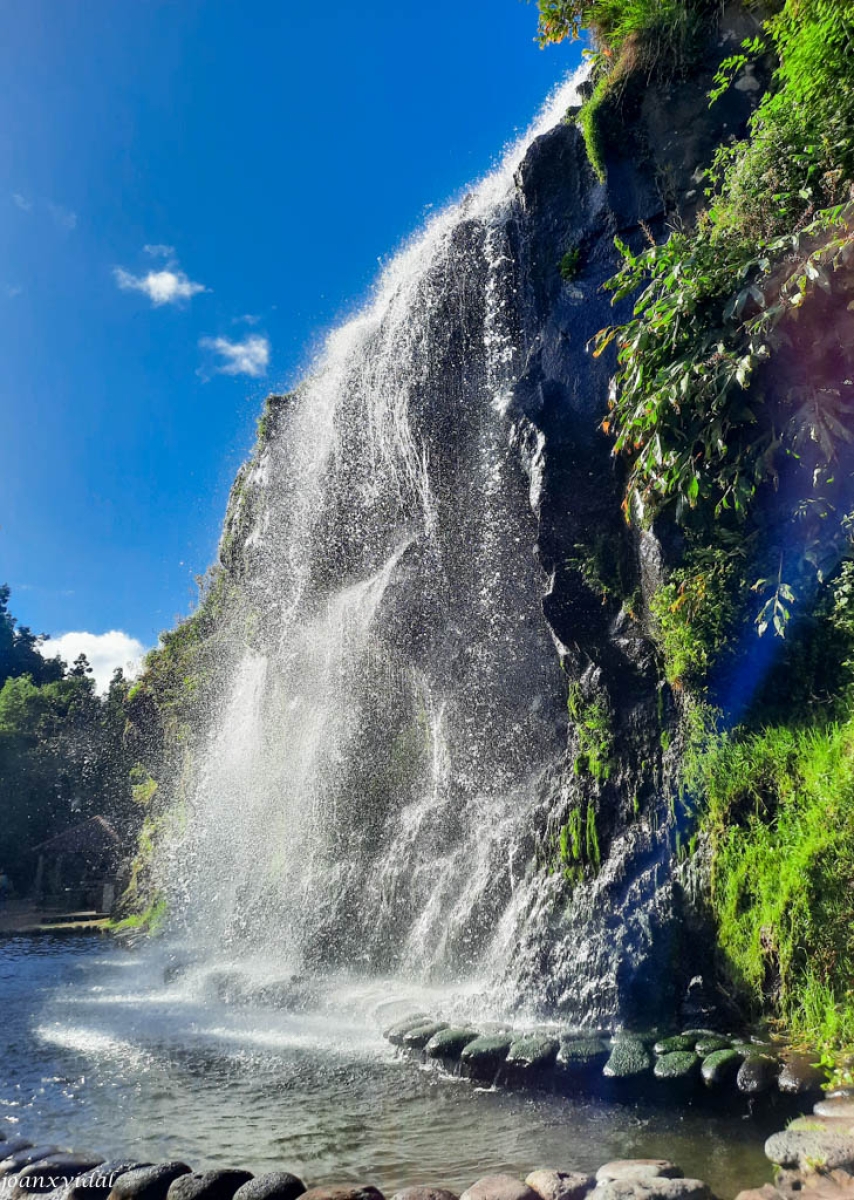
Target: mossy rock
(418, 1037)
(578, 1055)
(629, 1058)
(449, 1043)
(679, 1044)
(756, 1074)
(721, 1066)
(486, 1053)
(680, 1066)
(711, 1045)
(532, 1052)
(394, 1033)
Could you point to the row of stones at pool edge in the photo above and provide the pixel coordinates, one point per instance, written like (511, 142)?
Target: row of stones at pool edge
(27, 1172)
(582, 1062)
(814, 1156)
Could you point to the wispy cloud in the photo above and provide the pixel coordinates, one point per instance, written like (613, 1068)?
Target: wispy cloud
(249, 357)
(169, 286)
(159, 251)
(63, 217)
(22, 202)
(246, 319)
(105, 652)
(12, 290)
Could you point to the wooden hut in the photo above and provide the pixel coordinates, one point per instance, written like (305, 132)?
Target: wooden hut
(76, 870)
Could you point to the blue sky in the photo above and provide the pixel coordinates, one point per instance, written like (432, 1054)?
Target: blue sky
(191, 193)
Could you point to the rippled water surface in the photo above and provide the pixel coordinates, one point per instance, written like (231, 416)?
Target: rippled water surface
(98, 1052)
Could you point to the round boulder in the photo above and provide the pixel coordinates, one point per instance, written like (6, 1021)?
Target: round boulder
(449, 1043)
(721, 1067)
(14, 1163)
(682, 1042)
(422, 1192)
(629, 1059)
(660, 1188)
(148, 1183)
(756, 1074)
(344, 1191)
(835, 1106)
(275, 1185)
(52, 1171)
(208, 1185)
(395, 1032)
(811, 1151)
(580, 1056)
(532, 1052)
(559, 1185)
(638, 1168)
(99, 1182)
(799, 1076)
(499, 1187)
(681, 1066)
(711, 1045)
(486, 1054)
(418, 1037)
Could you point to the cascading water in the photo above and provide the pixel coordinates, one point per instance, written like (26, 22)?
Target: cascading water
(367, 792)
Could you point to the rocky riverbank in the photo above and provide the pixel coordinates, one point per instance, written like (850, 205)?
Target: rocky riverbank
(690, 1065)
(814, 1156)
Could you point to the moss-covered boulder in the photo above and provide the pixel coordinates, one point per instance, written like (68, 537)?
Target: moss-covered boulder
(757, 1074)
(418, 1037)
(395, 1032)
(482, 1057)
(680, 1066)
(711, 1045)
(721, 1067)
(628, 1060)
(681, 1042)
(581, 1056)
(532, 1052)
(449, 1043)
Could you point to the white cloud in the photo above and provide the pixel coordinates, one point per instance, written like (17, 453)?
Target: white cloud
(105, 652)
(63, 217)
(161, 287)
(22, 202)
(159, 251)
(249, 357)
(246, 319)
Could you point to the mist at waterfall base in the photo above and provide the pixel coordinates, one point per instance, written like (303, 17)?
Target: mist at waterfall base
(99, 1053)
(355, 839)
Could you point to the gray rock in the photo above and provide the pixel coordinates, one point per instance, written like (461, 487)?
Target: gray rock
(98, 1183)
(395, 1032)
(499, 1187)
(800, 1076)
(275, 1185)
(711, 1045)
(559, 1185)
(721, 1066)
(53, 1171)
(532, 1052)
(819, 1124)
(629, 1058)
(637, 1168)
(418, 1037)
(344, 1191)
(756, 1074)
(659, 1188)
(449, 1043)
(14, 1146)
(13, 1163)
(674, 1045)
(835, 1106)
(208, 1185)
(148, 1183)
(486, 1054)
(421, 1192)
(809, 1151)
(681, 1066)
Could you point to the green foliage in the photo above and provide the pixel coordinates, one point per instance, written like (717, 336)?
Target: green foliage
(664, 34)
(569, 264)
(150, 921)
(602, 564)
(578, 844)
(779, 809)
(593, 122)
(592, 721)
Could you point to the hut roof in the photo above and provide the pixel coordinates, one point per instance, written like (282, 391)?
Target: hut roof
(93, 836)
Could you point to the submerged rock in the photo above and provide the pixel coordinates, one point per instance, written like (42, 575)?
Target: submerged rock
(800, 1076)
(344, 1192)
(148, 1183)
(421, 1192)
(275, 1185)
(682, 1066)
(449, 1043)
(756, 1074)
(559, 1185)
(418, 1037)
(629, 1058)
(12, 1164)
(208, 1185)
(499, 1187)
(721, 1066)
(656, 1188)
(98, 1183)
(532, 1052)
(486, 1054)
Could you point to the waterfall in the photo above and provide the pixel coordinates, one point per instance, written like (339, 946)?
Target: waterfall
(370, 781)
